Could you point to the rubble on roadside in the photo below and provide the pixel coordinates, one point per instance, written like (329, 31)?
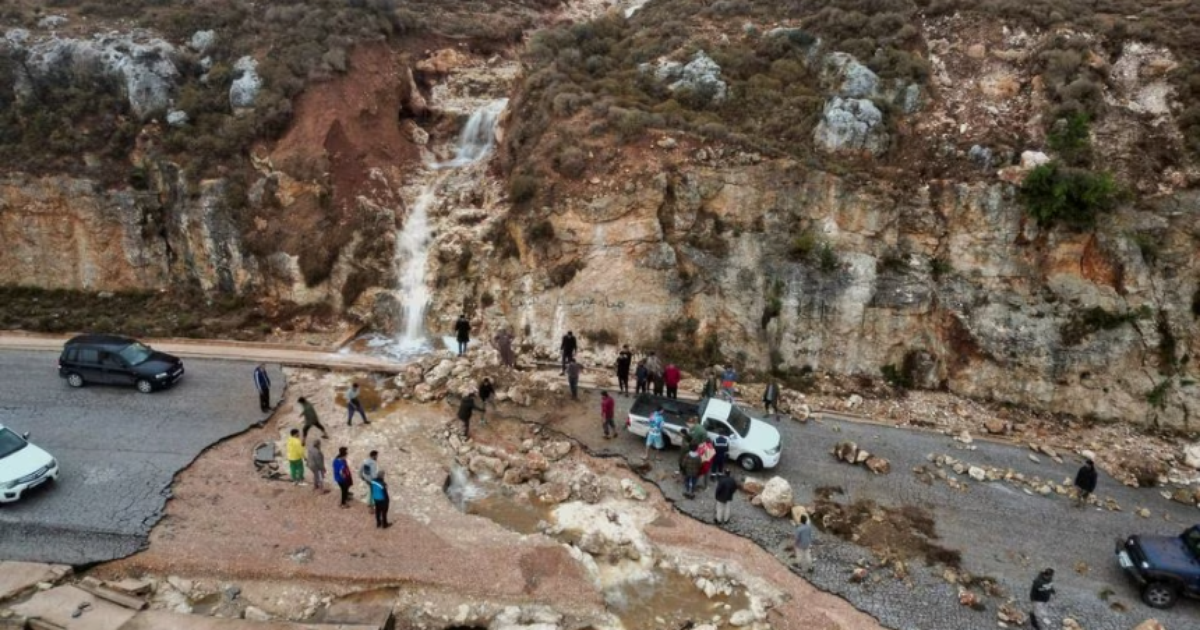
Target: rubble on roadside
(850, 453)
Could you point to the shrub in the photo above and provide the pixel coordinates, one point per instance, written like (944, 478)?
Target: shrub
(1148, 246)
(571, 162)
(827, 259)
(522, 188)
(601, 337)
(1070, 137)
(1087, 321)
(541, 232)
(1074, 197)
(939, 267)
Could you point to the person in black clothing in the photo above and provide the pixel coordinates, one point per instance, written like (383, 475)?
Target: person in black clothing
(462, 332)
(1085, 482)
(726, 488)
(381, 500)
(1039, 594)
(487, 393)
(624, 361)
(464, 412)
(569, 345)
(643, 377)
(262, 382)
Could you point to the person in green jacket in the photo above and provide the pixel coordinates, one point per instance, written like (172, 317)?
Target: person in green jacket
(691, 472)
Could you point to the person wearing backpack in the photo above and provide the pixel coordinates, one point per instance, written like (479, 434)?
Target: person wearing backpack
(341, 475)
(381, 498)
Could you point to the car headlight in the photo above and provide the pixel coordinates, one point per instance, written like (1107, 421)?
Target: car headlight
(53, 464)
(161, 375)
(773, 450)
(1145, 565)
(10, 484)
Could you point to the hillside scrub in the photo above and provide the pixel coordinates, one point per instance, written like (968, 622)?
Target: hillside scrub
(1056, 194)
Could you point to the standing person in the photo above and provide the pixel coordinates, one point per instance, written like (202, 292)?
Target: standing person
(721, 453)
(381, 499)
(310, 420)
(710, 385)
(316, 464)
(462, 332)
(707, 455)
(691, 471)
(654, 366)
(802, 549)
(771, 400)
(624, 361)
(341, 475)
(487, 393)
(353, 404)
(607, 411)
(671, 378)
(1085, 483)
(726, 488)
(696, 433)
(573, 371)
(643, 377)
(654, 436)
(568, 347)
(262, 382)
(1039, 594)
(728, 381)
(464, 412)
(503, 342)
(295, 456)
(367, 471)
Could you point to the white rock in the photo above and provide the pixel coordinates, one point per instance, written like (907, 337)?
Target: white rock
(1191, 455)
(245, 88)
(977, 473)
(253, 613)
(1033, 159)
(202, 41)
(777, 497)
(742, 618)
(177, 118)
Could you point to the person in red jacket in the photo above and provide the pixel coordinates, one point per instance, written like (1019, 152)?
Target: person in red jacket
(608, 408)
(671, 378)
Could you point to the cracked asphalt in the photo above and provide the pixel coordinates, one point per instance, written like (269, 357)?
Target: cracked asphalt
(118, 451)
(1002, 532)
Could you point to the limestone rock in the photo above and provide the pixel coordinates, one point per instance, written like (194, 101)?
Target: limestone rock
(491, 466)
(202, 41)
(553, 493)
(1191, 456)
(801, 412)
(243, 92)
(848, 78)
(995, 426)
(858, 575)
(442, 62)
(777, 498)
(555, 451)
(633, 490)
(253, 613)
(852, 126)
(741, 618)
(1010, 613)
(753, 485)
(964, 437)
(1150, 624)
(1184, 496)
(177, 118)
(878, 465)
(1069, 623)
(861, 456)
(700, 77)
(977, 473)
(846, 451)
(968, 598)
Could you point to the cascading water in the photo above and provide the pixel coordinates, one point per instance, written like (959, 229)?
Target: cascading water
(475, 143)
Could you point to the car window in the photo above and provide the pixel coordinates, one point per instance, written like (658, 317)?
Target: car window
(136, 353)
(1191, 538)
(70, 354)
(740, 421)
(718, 427)
(89, 355)
(111, 360)
(10, 443)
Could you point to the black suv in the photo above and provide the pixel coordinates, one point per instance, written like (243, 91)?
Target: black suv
(1165, 566)
(118, 361)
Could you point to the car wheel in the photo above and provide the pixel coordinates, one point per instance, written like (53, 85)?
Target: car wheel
(144, 386)
(749, 463)
(1160, 595)
(74, 380)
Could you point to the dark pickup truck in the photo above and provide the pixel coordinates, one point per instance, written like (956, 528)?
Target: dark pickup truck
(1165, 566)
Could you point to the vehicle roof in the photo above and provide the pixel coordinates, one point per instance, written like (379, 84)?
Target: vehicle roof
(100, 340)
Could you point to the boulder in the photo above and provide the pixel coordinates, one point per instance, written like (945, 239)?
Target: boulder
(243, 92)
(536, 462)
(861, 456)
(741, 618)
(798, 511)
(964, 437)
(490, 466)
(177, 118)
(858, 575)
(553, 493)
(202, 41)
(801, 412)
(253, 613)
(851, 125)
(1150, 624)
(1009, 613)
(995, 426)
(1191, 456)
(777, 498)
(968, 598)
(441, 62)
(878, 465)
(848, 78)
(1070, 624)
(700, 77)
(555, 451)
(753, 485)
(977, 473)
(633, 490)
(1184, 496)
(845, 451)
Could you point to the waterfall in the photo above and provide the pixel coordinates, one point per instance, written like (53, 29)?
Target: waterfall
(475, 143)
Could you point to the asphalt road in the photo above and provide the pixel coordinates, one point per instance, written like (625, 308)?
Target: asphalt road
(1001, 531)
(118, 452)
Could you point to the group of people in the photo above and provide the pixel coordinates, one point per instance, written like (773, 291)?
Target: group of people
(311, 456)
(503, 341)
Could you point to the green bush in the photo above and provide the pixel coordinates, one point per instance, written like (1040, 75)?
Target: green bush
(522, 188)
(1055, 194)
(939, 267)
(1095, 319)
(1070, 137)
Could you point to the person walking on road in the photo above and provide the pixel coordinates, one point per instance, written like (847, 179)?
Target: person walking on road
(341, 475)
(295, 456)
(671, 378)
(354, 404)
(487, 394)
(568, 347)
(503, 342)
(316, 464)
(1039, 594)
(624, 362)
(608, 408)
(367, 471)
(381, 499)
(655, 368)
(462, 333)
(802, 545)
(310, 419)
(691, 472)
(573, 371)
(728, 382)
(1085, 483)
(720, 453)
(726, 488)
(262, 382)
(643, 377)
(770, 400)
(654, 435)
(465, 408)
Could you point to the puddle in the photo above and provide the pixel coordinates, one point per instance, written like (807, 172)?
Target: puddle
(512, 513)
(368, 394)
(671, 598)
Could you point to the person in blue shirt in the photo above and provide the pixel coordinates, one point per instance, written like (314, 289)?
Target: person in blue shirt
(654, 437)
(381, 499)
(262, 382)
(341, 475)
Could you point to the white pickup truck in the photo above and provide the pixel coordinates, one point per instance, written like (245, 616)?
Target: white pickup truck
(753, 444)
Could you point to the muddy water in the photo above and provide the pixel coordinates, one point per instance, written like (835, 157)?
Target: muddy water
(671, 598)
(512, 513)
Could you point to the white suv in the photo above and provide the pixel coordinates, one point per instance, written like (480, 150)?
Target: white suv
(22, 465)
